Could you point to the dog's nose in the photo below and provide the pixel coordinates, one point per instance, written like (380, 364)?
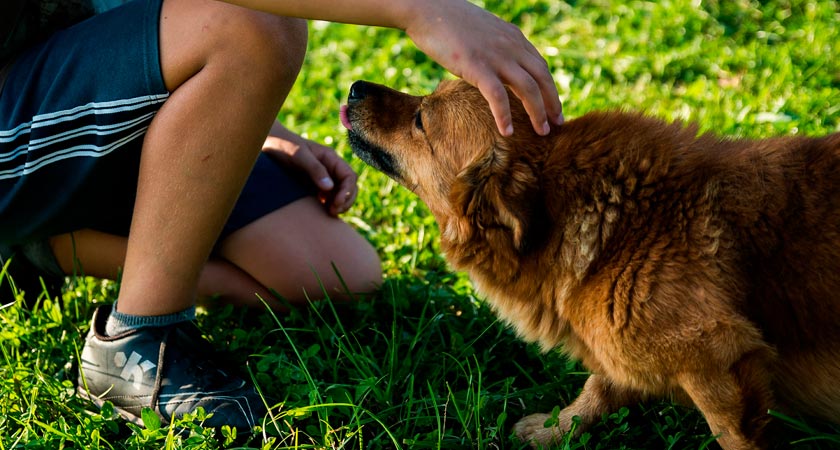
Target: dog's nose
(358, 91)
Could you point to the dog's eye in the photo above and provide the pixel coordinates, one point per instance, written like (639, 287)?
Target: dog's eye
(418, 121)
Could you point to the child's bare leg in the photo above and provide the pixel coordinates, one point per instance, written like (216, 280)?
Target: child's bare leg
(196, 156)
(228, 71)
(102, 255)
(293, 250)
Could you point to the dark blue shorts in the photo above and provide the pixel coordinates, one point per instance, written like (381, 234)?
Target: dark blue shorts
(73, 113)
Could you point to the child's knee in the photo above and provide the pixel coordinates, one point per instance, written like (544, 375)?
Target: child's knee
(278, 44)
(366, 271)
(249, 46)
(269, 47)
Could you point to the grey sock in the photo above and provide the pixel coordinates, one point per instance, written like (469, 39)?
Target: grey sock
(119, 322)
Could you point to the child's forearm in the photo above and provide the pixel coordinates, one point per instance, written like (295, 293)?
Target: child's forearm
(387, 13)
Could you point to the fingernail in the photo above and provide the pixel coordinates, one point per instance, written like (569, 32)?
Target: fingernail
(560, 119)
(509, 130)
(546, 128)
(327, 183)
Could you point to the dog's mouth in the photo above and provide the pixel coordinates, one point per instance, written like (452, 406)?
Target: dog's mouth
(367, 151)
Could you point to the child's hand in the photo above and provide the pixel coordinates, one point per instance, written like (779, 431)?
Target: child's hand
(334, 177)
(488, 53)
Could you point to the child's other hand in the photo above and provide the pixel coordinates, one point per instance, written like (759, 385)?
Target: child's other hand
(334, 177)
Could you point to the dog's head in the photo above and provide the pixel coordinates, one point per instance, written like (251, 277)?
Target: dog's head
(445, 147)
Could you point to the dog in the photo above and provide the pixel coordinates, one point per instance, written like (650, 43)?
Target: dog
(671, 263)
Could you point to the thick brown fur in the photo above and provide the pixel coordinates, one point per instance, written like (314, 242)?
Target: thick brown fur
(669, 263)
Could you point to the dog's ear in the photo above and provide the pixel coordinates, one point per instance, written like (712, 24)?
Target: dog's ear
(498, 193)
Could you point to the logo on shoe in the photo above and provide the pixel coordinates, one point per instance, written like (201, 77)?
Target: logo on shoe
(132, 368)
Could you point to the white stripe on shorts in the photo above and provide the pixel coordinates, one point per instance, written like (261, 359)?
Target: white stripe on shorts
(37, 152)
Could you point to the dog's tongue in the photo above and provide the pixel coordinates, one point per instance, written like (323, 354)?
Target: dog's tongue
(342, 114)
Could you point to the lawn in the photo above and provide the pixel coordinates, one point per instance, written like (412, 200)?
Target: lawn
(425, 364)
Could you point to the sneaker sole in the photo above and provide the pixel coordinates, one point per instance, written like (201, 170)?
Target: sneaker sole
(138, 420)
(99, 403)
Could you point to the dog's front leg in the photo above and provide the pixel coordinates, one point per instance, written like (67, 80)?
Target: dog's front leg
(734, 401)
(598, 396)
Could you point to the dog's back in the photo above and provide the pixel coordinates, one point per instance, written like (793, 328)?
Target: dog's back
(766, 212)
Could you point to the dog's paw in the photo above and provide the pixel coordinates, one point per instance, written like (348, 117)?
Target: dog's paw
(532, 429)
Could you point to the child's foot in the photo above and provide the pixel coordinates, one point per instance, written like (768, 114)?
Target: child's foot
(170, 369)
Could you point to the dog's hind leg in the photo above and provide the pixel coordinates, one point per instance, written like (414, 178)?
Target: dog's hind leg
(735, 401)
(598, 396)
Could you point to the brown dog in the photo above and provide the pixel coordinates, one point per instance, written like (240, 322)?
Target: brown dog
(670, 263)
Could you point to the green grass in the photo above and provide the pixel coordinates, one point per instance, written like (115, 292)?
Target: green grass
(425, 364)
